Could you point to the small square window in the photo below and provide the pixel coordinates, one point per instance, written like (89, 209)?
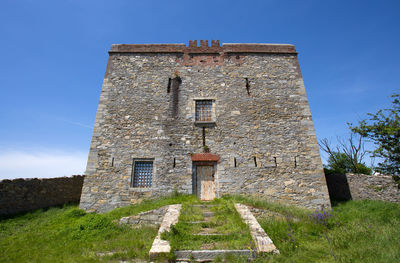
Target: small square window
(142, 173)
(204, 110)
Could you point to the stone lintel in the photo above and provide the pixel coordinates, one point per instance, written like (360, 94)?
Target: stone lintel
(205, 157)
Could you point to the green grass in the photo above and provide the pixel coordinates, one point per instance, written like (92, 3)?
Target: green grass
(361, 231)
(68, 234)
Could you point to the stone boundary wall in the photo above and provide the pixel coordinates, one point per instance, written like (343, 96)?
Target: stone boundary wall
(23, 195)
(150, 218)
(362, 187)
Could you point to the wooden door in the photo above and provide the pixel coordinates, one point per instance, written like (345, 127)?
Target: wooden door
(205, 182)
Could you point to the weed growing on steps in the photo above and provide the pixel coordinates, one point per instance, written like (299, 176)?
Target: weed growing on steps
(225, 228)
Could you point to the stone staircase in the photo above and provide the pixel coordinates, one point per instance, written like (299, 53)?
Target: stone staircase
(209, 227)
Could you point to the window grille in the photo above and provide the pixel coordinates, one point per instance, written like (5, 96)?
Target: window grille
(203, 110)
(142, 174)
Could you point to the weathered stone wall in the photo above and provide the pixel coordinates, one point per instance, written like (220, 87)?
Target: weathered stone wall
(23, 195)
(362, 187)
(150, 218)
(372, 187)
(266, 126)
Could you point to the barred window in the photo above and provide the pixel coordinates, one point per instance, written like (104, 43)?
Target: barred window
(142, 173)
(204, 110)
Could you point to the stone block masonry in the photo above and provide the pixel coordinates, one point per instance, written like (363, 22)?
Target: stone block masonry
(150, 218)
(343, 187)
(23, 195)
(259, 125)
(263, 242)
(161, 246)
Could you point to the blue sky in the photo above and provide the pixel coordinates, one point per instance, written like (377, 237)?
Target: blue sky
(54, 56)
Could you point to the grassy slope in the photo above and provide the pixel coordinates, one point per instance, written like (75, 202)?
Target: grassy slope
(69, 234)
(362, 231)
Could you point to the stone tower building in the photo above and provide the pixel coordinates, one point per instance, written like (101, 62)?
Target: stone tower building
(207, 120)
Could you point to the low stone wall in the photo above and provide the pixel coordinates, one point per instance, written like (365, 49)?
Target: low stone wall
(23, 195)
(362, 187)
(149, 218)
(380, 187)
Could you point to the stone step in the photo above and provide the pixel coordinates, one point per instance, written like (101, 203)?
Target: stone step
(209, 255)
(197, 222)
(210, 234)
(208, 214)
(204, 206)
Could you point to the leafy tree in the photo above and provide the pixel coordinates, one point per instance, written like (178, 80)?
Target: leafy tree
(383, 128)
(347, 157)
(340, 163)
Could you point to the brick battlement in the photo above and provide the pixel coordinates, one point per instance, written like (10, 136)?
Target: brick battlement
(204, 48)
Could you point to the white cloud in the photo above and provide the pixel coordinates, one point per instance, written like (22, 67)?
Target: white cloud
(41, 164)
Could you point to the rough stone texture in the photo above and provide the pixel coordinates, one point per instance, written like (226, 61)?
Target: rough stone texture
(264, 124)
(149, 218)
(161, 246)
(263, 243)
(364, 187)
(23, 195)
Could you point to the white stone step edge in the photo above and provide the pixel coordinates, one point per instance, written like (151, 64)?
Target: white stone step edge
(263, 243)
(161, 246)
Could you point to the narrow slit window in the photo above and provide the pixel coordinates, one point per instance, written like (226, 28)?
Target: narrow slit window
(234, 162)
(255, 161)
(247, 86)
(142, 173)
(169, 85)
(204, 110)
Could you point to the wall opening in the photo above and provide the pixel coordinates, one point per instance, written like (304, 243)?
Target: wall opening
(169, 85)
(176, 82)
(295, 162)
(204, 136)
(234, 162)
(174, 165)
(112, 162)
(255, 161)
(142, 173)
(247, 86)
(276, 164)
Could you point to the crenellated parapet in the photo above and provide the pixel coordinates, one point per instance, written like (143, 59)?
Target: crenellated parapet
(204, 55)
(204, 48)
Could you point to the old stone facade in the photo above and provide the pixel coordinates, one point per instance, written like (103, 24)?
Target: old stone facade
(162, 105)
